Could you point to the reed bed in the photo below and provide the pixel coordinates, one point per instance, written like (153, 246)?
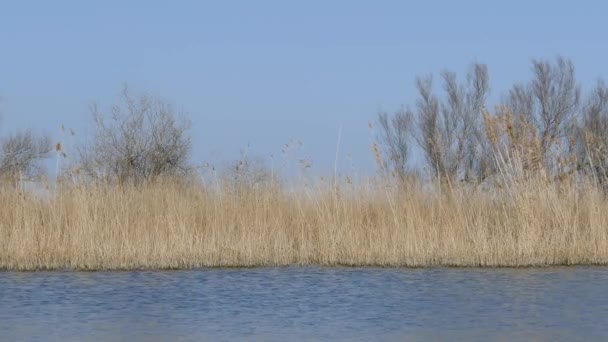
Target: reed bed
(175, 225)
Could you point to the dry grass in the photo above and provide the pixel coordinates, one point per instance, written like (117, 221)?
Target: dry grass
(173, 225)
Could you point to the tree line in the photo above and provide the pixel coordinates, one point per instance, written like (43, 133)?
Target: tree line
(544, 125)
(138, 139)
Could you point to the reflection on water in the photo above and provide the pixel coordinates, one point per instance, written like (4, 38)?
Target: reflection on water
(307, 304)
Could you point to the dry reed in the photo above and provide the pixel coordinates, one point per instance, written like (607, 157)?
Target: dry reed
(168, 225)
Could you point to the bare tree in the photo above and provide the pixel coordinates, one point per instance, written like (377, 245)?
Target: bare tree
(549, 102)
(537, 129)
(394, 138)
(140, 139)
(21, 155)
(429, 136)
(450, 132)
(520, 102)
(477, 154)
(592, 134)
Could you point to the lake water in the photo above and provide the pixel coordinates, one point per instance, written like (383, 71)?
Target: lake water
(279, 304)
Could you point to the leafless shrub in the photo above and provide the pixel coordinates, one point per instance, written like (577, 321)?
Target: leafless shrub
(141, 139)
(429, 134)
(22, 154)
(395, 132)
(468, 102)
(450, 132)
(549, 102)
(592, 135)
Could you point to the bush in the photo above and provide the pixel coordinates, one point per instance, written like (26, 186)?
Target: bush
(140, 140)
(21, 156)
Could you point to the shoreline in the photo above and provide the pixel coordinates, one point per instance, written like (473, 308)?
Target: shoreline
(311, 266)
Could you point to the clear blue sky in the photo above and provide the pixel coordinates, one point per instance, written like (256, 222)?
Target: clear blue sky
(264, 72)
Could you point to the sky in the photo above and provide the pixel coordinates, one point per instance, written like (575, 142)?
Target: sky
(254, 75)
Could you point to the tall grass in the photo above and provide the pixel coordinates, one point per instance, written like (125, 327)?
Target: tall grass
(525, 185)
(171, 224)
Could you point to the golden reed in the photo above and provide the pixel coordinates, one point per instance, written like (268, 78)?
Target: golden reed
(167, 225)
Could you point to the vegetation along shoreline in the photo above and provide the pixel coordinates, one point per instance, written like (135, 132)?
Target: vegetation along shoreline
(520, 185)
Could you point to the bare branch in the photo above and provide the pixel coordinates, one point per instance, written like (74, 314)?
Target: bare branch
(395, 133)
(453, 141)
(139, 140)
(22, 153)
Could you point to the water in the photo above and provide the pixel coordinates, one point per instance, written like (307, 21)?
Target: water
(307, 304)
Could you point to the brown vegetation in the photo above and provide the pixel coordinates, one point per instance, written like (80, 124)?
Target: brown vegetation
(172, 224)
(21, 157)
(522, 185)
